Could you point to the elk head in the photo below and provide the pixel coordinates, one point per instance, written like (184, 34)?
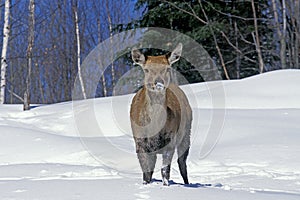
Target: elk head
(157, 69)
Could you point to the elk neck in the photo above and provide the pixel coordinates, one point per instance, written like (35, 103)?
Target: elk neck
(156, 98)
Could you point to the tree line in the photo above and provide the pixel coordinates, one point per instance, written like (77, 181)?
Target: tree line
(64, 32)
(43, 45)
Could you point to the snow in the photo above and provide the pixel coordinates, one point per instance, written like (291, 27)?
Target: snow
(245, 145)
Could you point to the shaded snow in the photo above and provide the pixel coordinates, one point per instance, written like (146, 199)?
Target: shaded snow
(245, 145)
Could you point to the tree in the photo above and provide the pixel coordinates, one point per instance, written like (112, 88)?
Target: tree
(224, 28)
(54, 51)
(77, 33)
(281, 30)
(29, 54)
(110, 27)
(296, 25)
(208, 22)
(256, 39)
(104, 89)
(292, 32)
(6, 30)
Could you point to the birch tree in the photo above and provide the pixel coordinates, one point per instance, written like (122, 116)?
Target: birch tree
(4, 51)
(77, 32)
(29, 53)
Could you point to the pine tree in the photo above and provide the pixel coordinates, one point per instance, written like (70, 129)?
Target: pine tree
(224, 28)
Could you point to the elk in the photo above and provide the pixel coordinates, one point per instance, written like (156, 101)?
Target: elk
(160, 116)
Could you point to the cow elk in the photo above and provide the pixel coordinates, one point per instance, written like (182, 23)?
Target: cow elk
(160, 116)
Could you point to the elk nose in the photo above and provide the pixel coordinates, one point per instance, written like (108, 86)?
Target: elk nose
(159, 84)
(159, 81)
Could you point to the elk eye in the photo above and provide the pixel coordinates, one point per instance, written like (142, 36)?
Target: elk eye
(146, 70)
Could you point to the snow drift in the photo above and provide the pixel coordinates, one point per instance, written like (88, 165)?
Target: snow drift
(245, 145)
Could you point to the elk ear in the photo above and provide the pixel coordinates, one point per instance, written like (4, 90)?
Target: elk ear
(175, 55)
(138, 57)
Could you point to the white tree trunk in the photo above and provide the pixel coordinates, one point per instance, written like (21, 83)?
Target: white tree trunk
(78, 51)
(4, 51)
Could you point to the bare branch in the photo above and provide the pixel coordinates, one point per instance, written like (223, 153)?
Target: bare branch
(185, 11)
(15, 95)
(246, 41)
(249, 59)
(229, 14)
(230, 43)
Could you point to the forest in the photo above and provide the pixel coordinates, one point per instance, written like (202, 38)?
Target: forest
(44, 42)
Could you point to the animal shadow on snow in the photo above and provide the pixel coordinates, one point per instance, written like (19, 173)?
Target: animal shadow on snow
(191, 185)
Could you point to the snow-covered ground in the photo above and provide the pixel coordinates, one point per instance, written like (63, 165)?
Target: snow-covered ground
(245, 145)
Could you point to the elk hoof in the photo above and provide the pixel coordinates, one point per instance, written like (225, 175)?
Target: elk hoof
(165, 182)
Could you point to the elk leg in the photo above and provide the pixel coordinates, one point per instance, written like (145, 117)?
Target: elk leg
(182, 156)
(147, 162)
(166, 167)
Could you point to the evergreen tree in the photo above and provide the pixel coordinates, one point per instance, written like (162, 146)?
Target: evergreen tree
(224, 28)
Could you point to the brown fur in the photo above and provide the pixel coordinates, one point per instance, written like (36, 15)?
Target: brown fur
(162, 60)
(160, 118)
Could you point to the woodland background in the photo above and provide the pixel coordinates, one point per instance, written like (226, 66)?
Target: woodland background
(47, 40)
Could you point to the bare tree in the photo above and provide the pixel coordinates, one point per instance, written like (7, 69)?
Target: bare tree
(257, 40)
(67, 78)
(293, 32)
(281, 30)
(99, 41)
(283, 37)
(29, 54)
(238, 54)
(75, 10)
(4, 51)
(110, 26)
(297, 32)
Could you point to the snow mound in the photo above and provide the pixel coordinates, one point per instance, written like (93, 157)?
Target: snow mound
(276, 89)
(245, 145)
